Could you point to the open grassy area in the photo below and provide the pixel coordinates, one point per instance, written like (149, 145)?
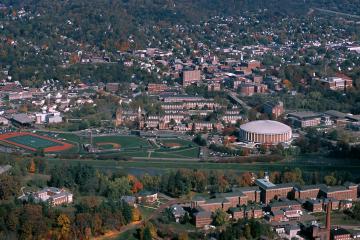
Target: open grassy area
(339, 219)
(158, 166)
(124, 141)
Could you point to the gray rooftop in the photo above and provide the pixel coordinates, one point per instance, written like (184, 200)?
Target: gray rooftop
(22, 118)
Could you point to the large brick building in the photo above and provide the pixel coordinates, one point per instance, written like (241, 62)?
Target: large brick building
(270, 191)
(274, 109)
(191, 76)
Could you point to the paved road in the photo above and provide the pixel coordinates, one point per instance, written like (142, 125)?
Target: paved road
(138, 224)
(233, 95)
(337, 13)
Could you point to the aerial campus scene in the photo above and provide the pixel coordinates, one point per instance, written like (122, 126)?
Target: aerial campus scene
(179, 119)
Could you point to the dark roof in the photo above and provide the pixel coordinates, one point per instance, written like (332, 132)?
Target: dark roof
(309, 187)
(202, 214)
(339, 231)
(333, 189)
(235, 209)
(314, 201)
(336, 114)
(230, 194)
(284, 204)
(246, 189)
(279, 212)
(216, 200)
(350, 184)
(305, 115)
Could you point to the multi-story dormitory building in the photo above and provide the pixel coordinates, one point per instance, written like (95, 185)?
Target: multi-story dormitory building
(291, 198)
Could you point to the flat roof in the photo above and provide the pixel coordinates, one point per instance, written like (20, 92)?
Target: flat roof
(264, 183)
(305, 114)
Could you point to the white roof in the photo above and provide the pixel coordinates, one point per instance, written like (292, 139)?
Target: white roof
(265, 127)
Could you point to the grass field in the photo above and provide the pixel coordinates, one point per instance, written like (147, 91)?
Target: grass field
(154, 166)
(125, 142)
(176, 141)
(338, 218)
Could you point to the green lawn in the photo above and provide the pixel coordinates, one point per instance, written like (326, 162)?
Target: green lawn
(165, 165)
(338, 218)
(124, 141)
(181, 142)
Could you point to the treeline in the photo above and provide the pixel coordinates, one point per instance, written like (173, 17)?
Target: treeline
(247, 229)
(91, 217)
(345, 150)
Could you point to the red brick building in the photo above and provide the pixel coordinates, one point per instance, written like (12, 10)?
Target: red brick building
(236, 213)
(274, 109)
(154, 88)
(202, 218)
(191, 76)
(271, 191)
(247, 89)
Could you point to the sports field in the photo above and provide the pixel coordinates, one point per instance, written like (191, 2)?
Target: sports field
(34, 142)
(120, 142)
(176, 143)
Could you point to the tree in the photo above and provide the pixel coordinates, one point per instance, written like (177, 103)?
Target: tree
(9, 186)
(64, 224)
(247, 232)
(183, 236)
(32, 167)
(219, 217)
(200, 140)
(330, 180)
(135, 215)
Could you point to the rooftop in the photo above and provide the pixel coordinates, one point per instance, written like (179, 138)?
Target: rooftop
(265, 127)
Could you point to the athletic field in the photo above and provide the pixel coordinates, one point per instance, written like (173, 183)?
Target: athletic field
(34, 142)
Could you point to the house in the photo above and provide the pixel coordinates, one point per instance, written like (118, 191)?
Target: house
(147, 197)
(178, 212)
(131, 200)
(52, 195)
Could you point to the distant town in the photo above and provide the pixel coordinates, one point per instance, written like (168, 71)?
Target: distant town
(230, 126)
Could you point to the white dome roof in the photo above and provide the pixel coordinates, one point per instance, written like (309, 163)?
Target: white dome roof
(265, 127)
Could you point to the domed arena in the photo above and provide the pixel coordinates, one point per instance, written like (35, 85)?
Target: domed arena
(265, 132)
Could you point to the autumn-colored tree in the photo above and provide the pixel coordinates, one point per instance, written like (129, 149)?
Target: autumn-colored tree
(287, 84)
(32, 166)
(183, 236)
(96, 224)
(65, 226)
(246, 179)
(23, 108)
(136, 185)
(135, 215)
